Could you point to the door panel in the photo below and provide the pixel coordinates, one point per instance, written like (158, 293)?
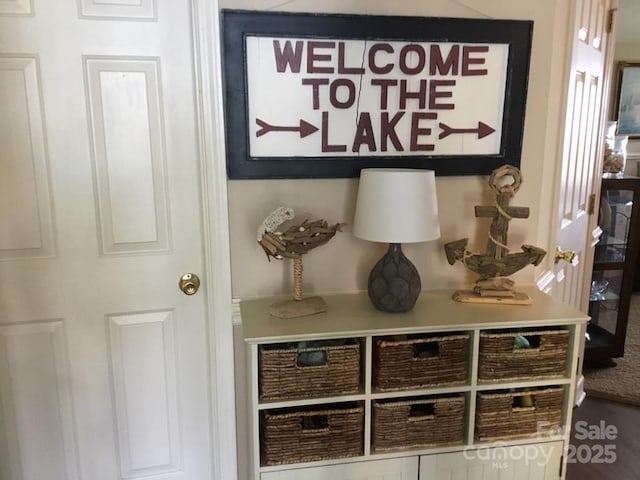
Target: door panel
(126, 119)
(143, 363)
(37, 411)
(27, 184)
(124, 9)
(16, 7)
(103, 360)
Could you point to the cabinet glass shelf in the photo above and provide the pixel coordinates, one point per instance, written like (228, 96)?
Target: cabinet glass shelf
(614, 263)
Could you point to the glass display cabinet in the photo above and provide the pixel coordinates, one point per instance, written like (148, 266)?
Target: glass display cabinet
(614, 265)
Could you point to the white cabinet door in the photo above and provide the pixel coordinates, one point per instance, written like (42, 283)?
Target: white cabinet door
(533, 462)
(393, 469)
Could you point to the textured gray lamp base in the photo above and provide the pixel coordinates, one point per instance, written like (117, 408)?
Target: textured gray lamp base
(394, 283)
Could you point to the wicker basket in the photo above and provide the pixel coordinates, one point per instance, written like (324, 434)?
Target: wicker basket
(421, 362)
(505, 415)
(311, 435)
(418, 423)
(283, 376)
(500, 360)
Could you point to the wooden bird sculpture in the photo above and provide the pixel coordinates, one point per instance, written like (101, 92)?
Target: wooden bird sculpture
(280, 241)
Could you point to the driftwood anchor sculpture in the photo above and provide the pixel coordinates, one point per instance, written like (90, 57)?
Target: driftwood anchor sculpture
(293, 242)
(497, 263)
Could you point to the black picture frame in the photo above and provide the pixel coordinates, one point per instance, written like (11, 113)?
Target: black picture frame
(237, 24)
(626, 99)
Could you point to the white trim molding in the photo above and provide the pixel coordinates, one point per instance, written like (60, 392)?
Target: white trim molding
(207, 61)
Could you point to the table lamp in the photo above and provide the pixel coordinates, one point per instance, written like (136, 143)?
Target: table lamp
(395, 206)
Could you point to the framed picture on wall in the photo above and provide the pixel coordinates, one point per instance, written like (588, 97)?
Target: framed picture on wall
(323, 96)
(628, 99)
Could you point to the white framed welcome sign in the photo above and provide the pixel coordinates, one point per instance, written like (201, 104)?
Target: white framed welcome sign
(326, 95)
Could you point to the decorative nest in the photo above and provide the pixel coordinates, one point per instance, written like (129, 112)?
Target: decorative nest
(298, 239)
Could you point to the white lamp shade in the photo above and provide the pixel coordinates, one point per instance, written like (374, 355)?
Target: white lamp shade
(396, 205)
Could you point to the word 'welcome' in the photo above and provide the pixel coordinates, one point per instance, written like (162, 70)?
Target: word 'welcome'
(382, 58)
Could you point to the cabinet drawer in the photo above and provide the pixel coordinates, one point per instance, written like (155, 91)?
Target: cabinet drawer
(420, 361)
(418, 422)
(504, 415)
(405, 468)
(317, 369)
(522, 355)
(308, 434)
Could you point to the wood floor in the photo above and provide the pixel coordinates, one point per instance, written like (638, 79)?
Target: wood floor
(588, 461)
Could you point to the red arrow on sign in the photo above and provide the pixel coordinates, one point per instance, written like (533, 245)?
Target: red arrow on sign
(305, 128)
(483, 130)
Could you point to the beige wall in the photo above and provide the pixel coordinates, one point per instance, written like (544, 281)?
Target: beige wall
(344, 263)
(628, 51)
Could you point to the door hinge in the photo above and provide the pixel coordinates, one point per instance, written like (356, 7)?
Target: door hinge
(592, 204)
(610, 19)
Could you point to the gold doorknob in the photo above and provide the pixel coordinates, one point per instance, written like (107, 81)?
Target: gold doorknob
(189, 283)
(568, 256)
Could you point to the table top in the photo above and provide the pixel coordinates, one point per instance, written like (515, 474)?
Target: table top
(353, 314)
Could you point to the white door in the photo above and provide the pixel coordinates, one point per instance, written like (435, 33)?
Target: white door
(579, 172)
(103, 361)
(580, 169)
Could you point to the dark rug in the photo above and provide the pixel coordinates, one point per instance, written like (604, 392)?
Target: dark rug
(622, 382)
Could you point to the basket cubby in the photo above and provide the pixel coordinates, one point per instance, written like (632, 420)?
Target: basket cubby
(523, 354)
(504, 415)
(292, 371)
(418, 422)
(421, 361)
(307, 434)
